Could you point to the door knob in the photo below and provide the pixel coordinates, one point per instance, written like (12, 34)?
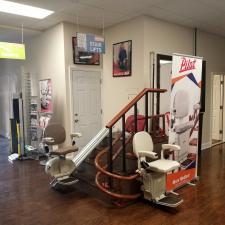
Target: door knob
(76, 121)
(75, 114)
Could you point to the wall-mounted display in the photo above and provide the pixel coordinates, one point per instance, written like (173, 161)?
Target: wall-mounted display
(90, 43)
(46, 95)
(122, 58)
(82, 57)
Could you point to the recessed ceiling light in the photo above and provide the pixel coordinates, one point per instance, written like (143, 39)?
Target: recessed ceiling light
(24, 10)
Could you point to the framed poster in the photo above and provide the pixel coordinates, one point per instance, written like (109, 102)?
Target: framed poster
(122, 58)
(82, 57)
(45, 87)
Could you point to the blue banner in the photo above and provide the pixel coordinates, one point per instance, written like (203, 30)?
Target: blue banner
(90, 43)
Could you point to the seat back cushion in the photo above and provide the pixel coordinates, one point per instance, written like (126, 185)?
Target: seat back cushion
(142, 141)
(56, 131)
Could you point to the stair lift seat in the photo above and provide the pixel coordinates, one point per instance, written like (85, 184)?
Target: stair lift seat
(153, 174)
(59, 167)
(164, 165)
(143, 147)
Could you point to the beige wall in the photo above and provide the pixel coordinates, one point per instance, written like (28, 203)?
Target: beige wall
(151, 35)
(116, 91)
(212, 48)
(69, 31)
(49, 55)
(164, 38)
(45, 59)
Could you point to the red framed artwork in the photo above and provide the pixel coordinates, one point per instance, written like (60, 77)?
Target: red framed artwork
(122, 59)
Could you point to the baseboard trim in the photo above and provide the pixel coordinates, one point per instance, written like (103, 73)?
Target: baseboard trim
(206, 145)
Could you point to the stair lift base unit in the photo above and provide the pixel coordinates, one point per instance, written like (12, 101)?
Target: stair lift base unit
(153, 174)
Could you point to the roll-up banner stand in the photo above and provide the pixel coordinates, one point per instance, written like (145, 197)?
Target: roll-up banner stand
(184, 117)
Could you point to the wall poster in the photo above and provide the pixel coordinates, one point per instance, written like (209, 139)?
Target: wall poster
(184, 117)
(45, 87)
(122, 58)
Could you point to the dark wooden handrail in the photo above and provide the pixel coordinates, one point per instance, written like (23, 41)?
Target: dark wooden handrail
(132, 103)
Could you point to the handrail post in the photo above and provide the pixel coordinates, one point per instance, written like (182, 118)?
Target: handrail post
(124, 144)
(110, 156)
(146, 111)
(135, 117)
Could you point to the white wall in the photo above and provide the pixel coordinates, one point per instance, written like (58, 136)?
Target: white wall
(10, 83)
(116, 90)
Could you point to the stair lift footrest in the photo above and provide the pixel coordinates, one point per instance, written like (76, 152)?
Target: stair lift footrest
(68, 181)
(170, 201)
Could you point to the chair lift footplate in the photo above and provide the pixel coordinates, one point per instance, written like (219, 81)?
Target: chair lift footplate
(67, 181)
(170, 201)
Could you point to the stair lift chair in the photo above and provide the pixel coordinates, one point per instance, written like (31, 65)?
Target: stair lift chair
(181, 126)
(153, 174)
(59, 166)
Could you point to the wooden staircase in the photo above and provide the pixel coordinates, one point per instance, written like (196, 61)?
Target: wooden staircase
(110, 170)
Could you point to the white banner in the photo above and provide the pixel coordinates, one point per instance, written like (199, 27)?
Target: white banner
(184, 116)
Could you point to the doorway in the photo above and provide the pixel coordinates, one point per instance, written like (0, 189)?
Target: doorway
(86, 104)
(217, 109)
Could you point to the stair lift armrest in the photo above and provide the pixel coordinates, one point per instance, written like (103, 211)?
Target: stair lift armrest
(152, 155)
(171, 147)
(48, 140)
(75, 135)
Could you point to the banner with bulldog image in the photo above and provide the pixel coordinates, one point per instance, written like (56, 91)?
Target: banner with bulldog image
(184, 117)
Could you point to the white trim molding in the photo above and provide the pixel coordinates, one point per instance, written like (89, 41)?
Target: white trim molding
(206, 145)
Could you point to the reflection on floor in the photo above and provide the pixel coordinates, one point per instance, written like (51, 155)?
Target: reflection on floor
(26, 199)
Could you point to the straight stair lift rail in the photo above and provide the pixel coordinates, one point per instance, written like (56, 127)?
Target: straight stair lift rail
(84, 152)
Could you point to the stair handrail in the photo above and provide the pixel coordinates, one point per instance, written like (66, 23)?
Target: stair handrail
(107, 169)
(132, 103)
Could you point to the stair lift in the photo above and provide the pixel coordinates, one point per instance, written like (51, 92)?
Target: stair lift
(58, 165)
(153, 174)
(181, 126)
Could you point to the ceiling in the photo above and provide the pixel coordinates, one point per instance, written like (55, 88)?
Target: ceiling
(207, 15)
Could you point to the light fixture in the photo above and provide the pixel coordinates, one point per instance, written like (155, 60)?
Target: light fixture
(24, 10)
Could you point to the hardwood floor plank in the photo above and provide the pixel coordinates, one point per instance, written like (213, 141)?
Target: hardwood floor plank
(27, 199)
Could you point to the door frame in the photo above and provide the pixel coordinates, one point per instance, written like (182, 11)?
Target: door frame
(70, 86)
(211, 109)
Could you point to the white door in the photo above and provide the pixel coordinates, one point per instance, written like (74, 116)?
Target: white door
(86, 95)
(216, 115)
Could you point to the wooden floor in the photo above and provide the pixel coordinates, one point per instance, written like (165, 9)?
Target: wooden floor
(26, 199)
